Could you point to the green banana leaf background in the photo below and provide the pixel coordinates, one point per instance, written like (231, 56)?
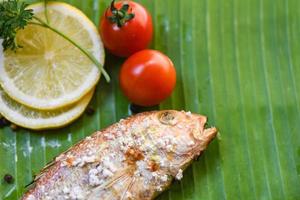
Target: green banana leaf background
(238, 62)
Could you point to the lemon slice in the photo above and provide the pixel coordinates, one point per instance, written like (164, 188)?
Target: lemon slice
(49, 72)
(37, 119)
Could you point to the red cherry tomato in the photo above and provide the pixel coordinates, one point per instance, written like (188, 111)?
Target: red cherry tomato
(126, 28)
(147, 77)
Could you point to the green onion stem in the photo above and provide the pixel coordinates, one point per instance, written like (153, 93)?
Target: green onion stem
(46, 11)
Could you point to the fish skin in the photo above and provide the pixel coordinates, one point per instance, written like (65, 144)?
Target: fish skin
(136, 158)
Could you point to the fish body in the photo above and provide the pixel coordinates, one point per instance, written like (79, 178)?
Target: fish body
(136, 158)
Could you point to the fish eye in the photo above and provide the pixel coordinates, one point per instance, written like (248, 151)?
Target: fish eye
(167, 118)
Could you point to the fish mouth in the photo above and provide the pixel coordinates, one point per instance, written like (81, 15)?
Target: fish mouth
(202, 136)
(202, 122)
(202, 133)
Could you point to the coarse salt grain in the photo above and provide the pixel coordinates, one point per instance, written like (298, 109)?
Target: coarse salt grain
(31, 197)
(159, 188)
(76, 193)
(80, 162)
(179, 175)
(154, 174)
(169, 148)
(107, 173)
(107, 163)
(118, 133)
(66, 190)
(180, 126)
(191, 143)
(164, 162)
(164, 178)
(94, 179)
(128, 195)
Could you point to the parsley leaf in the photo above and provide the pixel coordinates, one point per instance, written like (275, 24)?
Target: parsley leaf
(13, 17)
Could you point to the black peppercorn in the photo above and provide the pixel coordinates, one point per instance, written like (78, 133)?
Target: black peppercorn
(8, 178)
(4, 122)
(90, 111)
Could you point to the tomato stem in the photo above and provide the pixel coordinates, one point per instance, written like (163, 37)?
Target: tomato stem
(120, 16)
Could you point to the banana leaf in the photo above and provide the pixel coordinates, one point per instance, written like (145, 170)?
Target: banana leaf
(238, 63)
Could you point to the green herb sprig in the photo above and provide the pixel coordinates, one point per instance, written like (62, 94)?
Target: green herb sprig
(15, 16)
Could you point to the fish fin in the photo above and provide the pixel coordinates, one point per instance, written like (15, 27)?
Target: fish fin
(128, 188)
(122, 176)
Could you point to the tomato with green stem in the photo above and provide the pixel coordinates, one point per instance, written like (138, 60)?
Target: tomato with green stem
(126, 28)
(147, 78)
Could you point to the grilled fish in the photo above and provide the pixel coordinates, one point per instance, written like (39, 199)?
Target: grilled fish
(136, 158)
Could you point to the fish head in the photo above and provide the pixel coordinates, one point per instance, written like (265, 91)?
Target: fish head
(188, 129)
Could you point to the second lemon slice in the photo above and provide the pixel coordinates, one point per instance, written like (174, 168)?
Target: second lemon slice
(49, 72)
(37, 119)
